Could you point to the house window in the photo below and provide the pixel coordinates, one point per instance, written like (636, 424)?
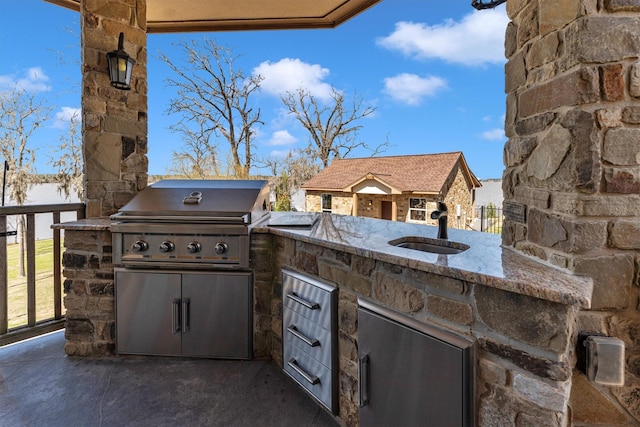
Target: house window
(326, 203)
(417, 209)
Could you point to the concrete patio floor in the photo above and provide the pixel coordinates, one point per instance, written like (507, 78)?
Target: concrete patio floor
(40, 386)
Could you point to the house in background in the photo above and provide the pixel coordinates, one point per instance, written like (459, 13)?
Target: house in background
(397, 188)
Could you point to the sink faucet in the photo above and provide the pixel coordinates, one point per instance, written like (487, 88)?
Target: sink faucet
(441, 215)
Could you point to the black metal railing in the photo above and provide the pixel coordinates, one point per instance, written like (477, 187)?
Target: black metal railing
(19, 223)
(489, 219)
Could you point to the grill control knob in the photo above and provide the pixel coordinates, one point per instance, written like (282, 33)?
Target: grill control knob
(139, 246)
(194, 247)
(167, 246)
(220, 248)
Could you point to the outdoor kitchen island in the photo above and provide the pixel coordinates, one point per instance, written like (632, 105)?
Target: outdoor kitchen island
(520, 314)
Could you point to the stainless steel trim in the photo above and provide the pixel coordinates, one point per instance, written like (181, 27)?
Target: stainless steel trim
(363, 381)
(311, 280)
(433, 331)
(311, 342)
(311, 379)
(309, 304)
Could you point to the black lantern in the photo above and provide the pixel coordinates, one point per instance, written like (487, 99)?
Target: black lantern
(480, 4)
(120, 66)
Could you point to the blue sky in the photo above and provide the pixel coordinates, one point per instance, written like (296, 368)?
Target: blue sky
(433, 70)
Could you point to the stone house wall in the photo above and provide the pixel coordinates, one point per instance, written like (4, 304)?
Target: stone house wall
(572, 177)
(458, 193)
(524, 345)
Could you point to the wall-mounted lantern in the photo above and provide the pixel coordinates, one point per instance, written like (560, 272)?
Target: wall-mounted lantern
(484, 4)
(120, 66)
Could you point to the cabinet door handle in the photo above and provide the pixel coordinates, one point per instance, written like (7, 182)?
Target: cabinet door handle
(175, 317)
(311, 379)
(186, 315)
(310, 305)
(363, 381)
(311, 342)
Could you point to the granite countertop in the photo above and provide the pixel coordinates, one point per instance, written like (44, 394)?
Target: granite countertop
(486, 262)
(99, 224)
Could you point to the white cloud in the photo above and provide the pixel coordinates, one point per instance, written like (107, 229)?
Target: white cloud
(65, 115)
(287, 75)
(34, 80)
(282, 137)
(475, 40)
(411, 89)
(494, 135)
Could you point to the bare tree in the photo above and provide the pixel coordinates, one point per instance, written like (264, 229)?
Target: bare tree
(69, 161)
(20, 115)
(332, 129)
(198, 159)
(215, 98)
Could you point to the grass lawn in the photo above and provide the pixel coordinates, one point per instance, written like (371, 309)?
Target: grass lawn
(17, 298)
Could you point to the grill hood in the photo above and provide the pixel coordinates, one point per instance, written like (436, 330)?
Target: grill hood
(215, 200)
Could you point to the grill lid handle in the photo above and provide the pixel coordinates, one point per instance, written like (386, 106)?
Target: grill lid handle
(194, 198)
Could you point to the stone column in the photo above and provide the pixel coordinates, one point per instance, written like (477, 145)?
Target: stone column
(572, 177)
(114, 122)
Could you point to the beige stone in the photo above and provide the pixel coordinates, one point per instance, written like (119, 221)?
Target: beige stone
(622, 146)
(546, 158)
(634, 80)
(589, 405)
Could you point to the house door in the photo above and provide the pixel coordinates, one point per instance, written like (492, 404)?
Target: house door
(386, 209)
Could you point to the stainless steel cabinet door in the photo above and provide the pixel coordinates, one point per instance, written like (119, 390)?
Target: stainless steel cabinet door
(217, 310)
(409, 378)
(146, 313)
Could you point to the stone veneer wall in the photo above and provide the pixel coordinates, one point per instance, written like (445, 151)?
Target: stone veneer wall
(114, 121)
(572, 178)
(524, 345)
(88, 293)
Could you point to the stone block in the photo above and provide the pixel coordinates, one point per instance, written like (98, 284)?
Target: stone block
(625, 234)
(544, 51)
(451, 310)
(545, 229)
(629, 398)
(493, 373)
(622, 146)
(631, 115)
(589, 406)
(515, 72)
(544, 324)
(627, 329)
(528, 24)
(577, 87)
(542, 393)
(622, 180)
(622, 5)
(540, 366)
(535, 124)
(619, 33)
(438, 284)
(397, 294)
(612, 279)
(344, 278)
(554, 14)
(612, 82)
(585, 140)
(634, 80)
(348, 318)
(609, 117)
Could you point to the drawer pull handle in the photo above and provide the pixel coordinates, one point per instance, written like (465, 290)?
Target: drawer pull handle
(310, 305)
(175, 316)
(311, 379)
(311, 342)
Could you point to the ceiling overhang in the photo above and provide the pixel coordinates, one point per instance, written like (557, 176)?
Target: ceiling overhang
(168, 16)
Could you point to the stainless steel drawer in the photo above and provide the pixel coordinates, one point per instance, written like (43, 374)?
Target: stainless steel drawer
(310, 374)
(307, 296)
(307, 336)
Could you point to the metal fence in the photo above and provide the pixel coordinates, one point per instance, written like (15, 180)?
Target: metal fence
(488, 219)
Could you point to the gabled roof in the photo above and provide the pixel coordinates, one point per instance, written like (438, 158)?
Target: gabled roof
(421, 173)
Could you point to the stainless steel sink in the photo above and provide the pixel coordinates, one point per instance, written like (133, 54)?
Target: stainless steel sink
(434, 246)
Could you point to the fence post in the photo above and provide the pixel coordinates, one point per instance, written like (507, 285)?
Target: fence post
(481, 218)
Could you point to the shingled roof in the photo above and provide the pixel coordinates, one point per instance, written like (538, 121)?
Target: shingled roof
(420, 173)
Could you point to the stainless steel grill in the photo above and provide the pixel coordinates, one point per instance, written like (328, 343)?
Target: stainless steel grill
(189, 224)
(183, 285)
